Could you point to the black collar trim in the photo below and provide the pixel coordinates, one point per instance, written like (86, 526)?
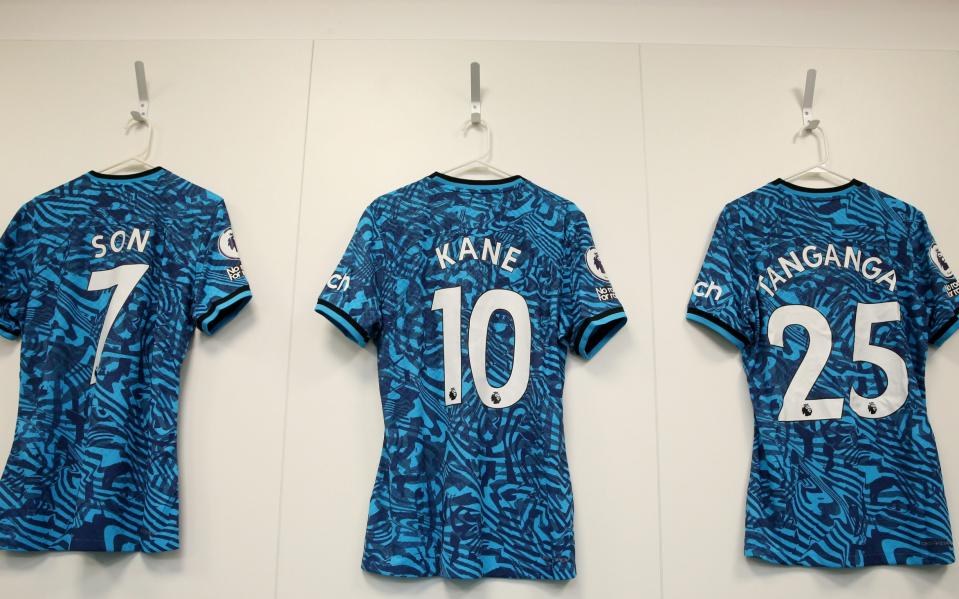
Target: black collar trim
(844, 186)
(461, 181)
(145, 173)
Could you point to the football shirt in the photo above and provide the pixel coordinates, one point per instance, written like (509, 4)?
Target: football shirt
(833, 297)
(473, 292)
(104, 279)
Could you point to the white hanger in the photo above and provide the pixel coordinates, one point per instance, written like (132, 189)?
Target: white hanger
(138, 118)
(481, 162)
(810, 127)
(141, 158)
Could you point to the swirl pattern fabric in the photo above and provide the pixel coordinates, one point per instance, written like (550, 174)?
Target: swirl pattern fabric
(104, 279)
(474, 293)
(833, 297)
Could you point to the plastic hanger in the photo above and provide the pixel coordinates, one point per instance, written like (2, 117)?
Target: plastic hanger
(481, 162)
(140, 159)
(138, 118)
(810, 127)
(820, 168)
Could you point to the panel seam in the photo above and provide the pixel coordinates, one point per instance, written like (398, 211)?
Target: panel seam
(289, 348)
(652, 323)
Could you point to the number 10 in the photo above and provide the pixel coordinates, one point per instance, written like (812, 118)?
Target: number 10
(450, 302)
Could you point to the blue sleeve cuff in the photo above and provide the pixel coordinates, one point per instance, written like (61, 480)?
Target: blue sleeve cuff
(718, 326)
(597, 330)
(343, 321)
(224, 310)
(945, 332)
(8, 332)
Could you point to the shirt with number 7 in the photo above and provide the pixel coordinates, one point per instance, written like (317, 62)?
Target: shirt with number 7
(474, 293)
(104, 279)
(833, 297)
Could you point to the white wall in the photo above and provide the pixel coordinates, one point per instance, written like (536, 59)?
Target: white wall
(719, 123)
(281, 426)
(230, 120)
(928, 24)
(409, 100)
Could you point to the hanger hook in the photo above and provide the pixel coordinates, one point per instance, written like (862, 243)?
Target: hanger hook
(825, 144)
(132, 124)
(488, 135)
(821, 142)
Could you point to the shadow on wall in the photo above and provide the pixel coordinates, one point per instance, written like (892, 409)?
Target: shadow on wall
(475, 589)
(101, 570)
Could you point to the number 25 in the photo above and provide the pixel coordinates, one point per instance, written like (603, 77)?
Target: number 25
(797, 406)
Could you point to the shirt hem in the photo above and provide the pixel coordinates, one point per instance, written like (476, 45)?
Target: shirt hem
(93, 545)
(869, 560)
(447, 576)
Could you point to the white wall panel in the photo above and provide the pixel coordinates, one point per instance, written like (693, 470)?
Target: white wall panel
(915, 24)
(715, 122)
(386, 113)
(719, 123)
(228, 119)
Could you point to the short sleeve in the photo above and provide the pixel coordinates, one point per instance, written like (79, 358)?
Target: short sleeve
(222, 289)
(591, 312)
(15, 251)
(936, 284)
(720, 298)
(350, 298)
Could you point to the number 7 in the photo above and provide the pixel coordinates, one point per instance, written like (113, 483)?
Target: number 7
(124, 277)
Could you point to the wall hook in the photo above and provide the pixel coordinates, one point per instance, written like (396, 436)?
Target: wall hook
(475, 101)
(809, 123)
(140, 115)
